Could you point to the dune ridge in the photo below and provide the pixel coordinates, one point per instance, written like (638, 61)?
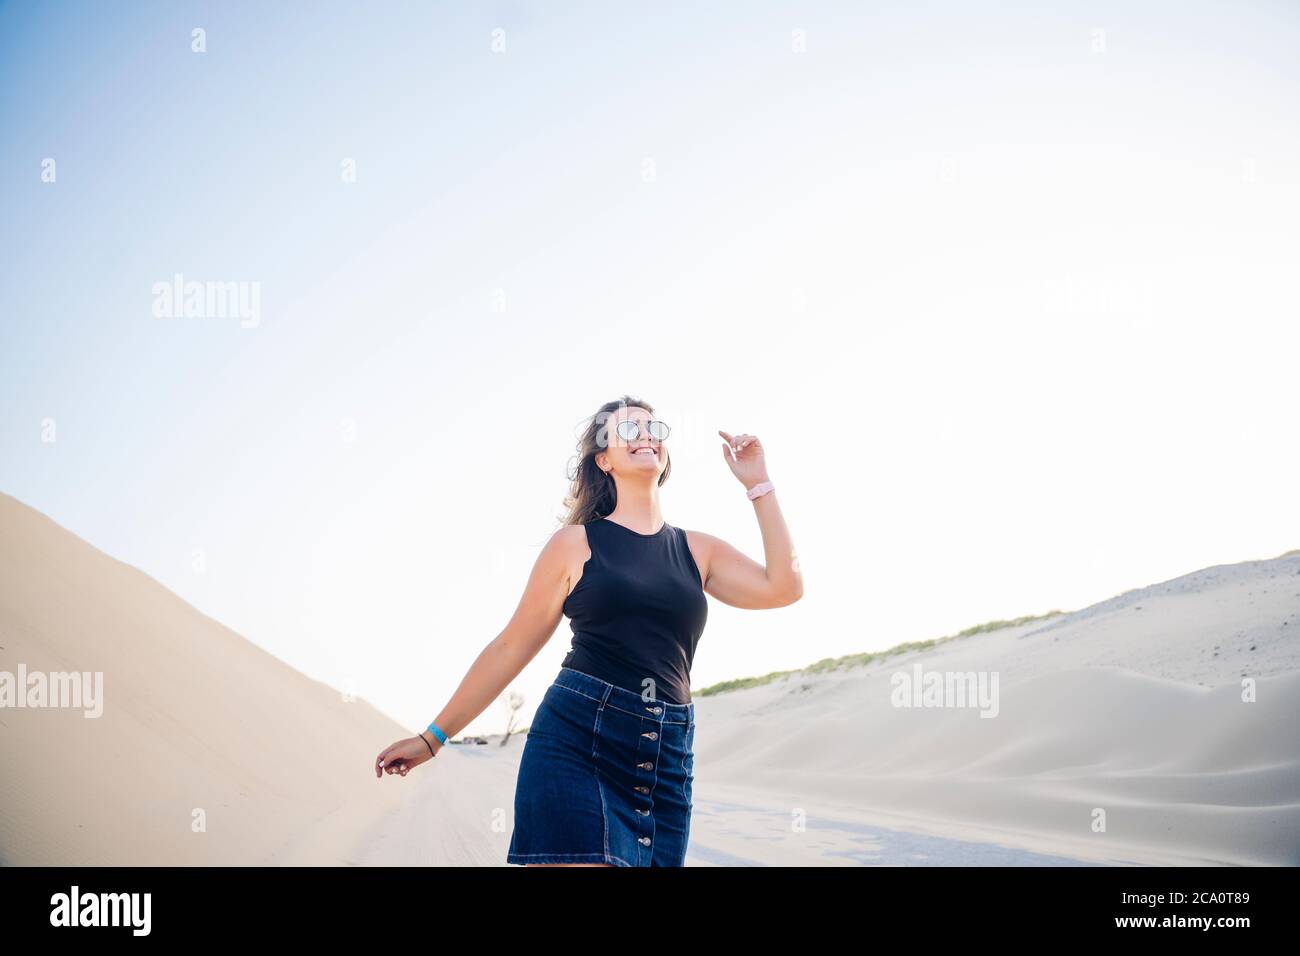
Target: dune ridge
(197, 719)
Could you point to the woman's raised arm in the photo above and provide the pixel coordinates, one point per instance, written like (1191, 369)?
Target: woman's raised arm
(731, 576)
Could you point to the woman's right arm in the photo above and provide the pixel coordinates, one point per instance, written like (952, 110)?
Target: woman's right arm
(530, 627)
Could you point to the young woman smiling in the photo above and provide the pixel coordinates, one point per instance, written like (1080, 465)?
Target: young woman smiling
(606, 773)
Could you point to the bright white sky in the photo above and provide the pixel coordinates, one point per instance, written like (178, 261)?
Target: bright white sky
(1010, 302)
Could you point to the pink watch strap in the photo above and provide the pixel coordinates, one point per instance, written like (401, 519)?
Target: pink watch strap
(760, 489)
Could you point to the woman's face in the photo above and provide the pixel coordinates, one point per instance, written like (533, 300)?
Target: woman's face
(642, 455)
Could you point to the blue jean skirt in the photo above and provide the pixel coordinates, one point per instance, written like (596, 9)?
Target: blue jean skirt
(605, 777)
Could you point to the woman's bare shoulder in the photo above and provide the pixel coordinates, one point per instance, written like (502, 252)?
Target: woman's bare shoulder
(701, 546)
(570, 534)
(569, 542)
(698, 540)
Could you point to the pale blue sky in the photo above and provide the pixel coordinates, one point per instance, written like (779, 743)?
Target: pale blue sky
(1008, 294)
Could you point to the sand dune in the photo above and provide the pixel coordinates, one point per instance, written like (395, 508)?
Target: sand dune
(1132, 708)
(195, 718)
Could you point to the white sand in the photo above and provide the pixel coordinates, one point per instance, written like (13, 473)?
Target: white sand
(195, 717)
(1132, 707)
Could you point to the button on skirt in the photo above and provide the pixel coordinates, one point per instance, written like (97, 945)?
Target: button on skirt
(605, 777)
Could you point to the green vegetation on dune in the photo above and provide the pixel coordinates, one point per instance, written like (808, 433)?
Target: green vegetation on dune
(860, 660)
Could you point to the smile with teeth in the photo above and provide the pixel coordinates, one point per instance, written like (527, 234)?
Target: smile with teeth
(644, 451)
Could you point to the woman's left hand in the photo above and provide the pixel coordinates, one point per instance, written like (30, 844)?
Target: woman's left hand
(744, 456)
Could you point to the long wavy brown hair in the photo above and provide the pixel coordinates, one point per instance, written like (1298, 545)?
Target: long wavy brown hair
(592, 494)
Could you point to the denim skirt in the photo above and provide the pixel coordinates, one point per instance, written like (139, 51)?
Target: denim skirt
(605, 777)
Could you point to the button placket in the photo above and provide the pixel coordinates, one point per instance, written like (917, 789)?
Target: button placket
(648, 766)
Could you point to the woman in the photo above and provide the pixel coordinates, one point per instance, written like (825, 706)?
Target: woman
(605, 776)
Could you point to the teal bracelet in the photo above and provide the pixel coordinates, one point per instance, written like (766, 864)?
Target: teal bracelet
(433, 729)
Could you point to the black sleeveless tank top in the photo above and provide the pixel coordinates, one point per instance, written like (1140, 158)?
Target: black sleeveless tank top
(638, 610)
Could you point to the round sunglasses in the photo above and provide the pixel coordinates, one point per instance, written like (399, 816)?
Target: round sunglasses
(630, 430)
